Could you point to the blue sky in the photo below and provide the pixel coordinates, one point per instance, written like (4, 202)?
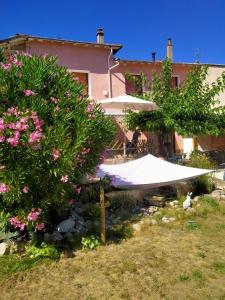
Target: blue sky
(142, 26)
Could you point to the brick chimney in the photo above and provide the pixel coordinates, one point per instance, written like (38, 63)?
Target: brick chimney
(100, 36)
(169, 49)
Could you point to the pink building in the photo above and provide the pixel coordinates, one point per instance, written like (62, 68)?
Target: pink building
(96, 66)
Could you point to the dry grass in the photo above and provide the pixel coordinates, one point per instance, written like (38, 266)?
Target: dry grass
(171, 261)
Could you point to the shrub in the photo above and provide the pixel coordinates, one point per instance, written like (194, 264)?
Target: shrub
(44, 250)
(90, 242)
(203, 184)
(50, 135)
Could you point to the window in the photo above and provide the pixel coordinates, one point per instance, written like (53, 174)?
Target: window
(174, 81)
(134, 84)
(83, 79)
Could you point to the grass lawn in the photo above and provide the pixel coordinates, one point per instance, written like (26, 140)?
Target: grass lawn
(180, 260)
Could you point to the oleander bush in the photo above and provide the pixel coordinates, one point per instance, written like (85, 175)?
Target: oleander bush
(50, 137)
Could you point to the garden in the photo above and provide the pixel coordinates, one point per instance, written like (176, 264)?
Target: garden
(51, 137)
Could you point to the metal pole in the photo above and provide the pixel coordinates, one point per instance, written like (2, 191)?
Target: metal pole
(102, 212)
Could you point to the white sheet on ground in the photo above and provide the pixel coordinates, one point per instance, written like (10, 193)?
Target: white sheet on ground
(147, 172)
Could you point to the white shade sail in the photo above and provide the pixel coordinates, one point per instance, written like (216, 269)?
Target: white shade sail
(147, 172)
(125, 102)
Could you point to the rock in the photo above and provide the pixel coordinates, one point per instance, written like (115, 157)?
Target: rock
(217, 194)
(4, 249)
(190, 209)
(176, 202)
(196, 198)
(165, 220)
(66, 226)
(56, 236)
(158, 201)
(154, 222)
(171, 204)
(152, 209)
(136, 227)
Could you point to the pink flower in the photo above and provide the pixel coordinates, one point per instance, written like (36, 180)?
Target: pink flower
(2, 139)
(27, 54)
(2, 125)
(25, 189)
(29, 93)
(3, 188)
(54, 100)
(6, 67)
(35, 137)
(68, 94)
(70, 202)
(77, 189)
(55, 154)
(57, 109)
(33, 215)
(40, 226)
(64, 178)
(22, 226)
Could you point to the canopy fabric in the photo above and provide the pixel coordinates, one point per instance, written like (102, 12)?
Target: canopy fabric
(147, 172)
(125, 102)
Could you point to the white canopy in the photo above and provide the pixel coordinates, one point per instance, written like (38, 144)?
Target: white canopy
(118, 105)
(147, 172)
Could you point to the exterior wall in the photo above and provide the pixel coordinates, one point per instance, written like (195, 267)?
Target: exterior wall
(213, 73)
(211, 143)
(79, 58)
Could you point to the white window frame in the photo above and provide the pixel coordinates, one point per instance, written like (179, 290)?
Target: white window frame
(89, 78)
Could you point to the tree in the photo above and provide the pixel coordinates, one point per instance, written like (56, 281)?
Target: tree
(189, 109)
(50, 135)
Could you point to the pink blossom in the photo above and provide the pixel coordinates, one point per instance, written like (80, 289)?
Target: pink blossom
(11, 126)
(22, 226)
(40, 226)
(13, 111)
(2, 139)
(6, 67)
(34, 215)
(13, 141)
(70, 202)
(55, 154)
(35, 137)
(16, 223)
(29, 93)
(64, 178)
(54, 100)
(25, 189)
(3, 188)
(2, 125)
(77, 189)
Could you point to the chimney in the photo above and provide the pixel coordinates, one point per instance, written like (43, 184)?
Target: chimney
(169, 49)
(153, 56)
(100, 36)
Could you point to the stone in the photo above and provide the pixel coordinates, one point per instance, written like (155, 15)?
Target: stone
(176, 202)
(171, 204)
(4, 249)
(56, 236)
(66, 226)
(190, 209)
(217, 194)
(196, 198)
(165, 220)
(172, 219)
(152, 209)
(136, 227)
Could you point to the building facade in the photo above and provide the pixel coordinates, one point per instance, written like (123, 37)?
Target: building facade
(104, 76)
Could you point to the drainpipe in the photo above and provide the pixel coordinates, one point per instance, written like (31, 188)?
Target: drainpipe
(109, 71)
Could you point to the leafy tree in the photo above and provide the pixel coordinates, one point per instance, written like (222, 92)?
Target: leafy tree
(50, 135)
(189, 109)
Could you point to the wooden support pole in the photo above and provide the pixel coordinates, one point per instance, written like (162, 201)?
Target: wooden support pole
(102, 211)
